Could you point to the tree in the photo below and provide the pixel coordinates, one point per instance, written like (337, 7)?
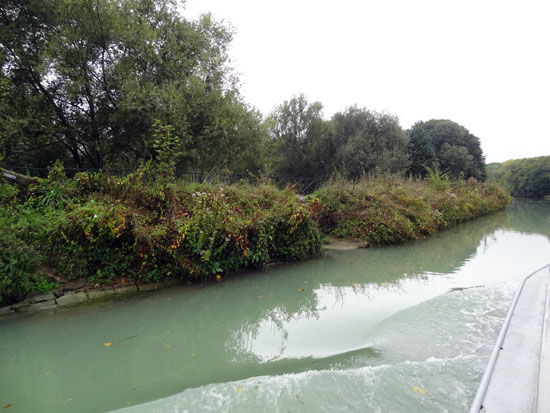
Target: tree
(297, 126)
(528, 177)
(96, 74)
(25, 139)
(447, 146)
(353, 142)
(366, 141)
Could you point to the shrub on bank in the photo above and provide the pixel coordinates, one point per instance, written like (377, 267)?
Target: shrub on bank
(391, 210)
(20, 259)
(98, 226)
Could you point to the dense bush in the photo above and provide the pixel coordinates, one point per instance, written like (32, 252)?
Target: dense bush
(20, 258)
(99, 226)
(390, 210)
(147, 227)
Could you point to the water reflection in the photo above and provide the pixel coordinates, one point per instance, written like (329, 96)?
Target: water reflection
(529, 216)
(318, 314)
(351, 292)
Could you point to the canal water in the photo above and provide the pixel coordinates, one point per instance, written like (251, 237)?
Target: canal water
(392, 329)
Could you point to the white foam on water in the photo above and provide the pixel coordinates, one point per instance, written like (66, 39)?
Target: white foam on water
(432, 357)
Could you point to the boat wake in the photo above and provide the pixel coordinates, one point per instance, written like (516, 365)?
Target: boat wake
(429, 357)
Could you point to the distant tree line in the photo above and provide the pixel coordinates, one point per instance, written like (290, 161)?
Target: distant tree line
(358, 141)
(85, 81)
(528, 177)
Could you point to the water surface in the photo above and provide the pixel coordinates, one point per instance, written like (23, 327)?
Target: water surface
(380, 329)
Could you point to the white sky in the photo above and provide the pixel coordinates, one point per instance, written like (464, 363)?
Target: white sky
(484, 64)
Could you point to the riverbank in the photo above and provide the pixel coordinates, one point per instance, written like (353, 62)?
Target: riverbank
(81, 291)
(356, 309)
(146, 228)
(393, 210)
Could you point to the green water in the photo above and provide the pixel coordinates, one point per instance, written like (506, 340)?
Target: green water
(407, 328)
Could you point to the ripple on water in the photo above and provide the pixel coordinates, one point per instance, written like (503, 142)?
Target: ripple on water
(432, 357)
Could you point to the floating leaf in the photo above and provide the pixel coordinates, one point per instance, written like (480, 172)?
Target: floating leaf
(299, 289)
(48, 373)
(108, 344)
(69, 399)
(167, 346)
(419, 390)
(6, 406)
(260, 296)
(193, 355)
(239, 389)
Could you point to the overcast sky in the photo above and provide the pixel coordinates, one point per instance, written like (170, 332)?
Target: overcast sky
(484, 64)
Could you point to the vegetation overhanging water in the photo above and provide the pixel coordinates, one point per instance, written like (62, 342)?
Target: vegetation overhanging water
(407, 327)
(126, 84)
(147, 226)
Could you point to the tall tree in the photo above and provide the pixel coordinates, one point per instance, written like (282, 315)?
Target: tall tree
(297, 128)
(97, 73)
(353, 142)
(367, 141)
(445, 145)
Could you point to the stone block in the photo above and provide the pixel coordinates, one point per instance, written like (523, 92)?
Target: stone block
(71, 298)
(21, 306)
(125, 288)
(43, 305)
(5, 310)
(97, 294)
(147, 286)
(42, 297)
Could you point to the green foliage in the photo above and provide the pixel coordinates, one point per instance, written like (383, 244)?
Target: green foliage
(16, 271)
(8, 194)
(438, 179)
(99, 227)
(365, 142)
(447, 146)
(353, 142)
(168, 150)
(528, 177)
(96, 241)
(390, 210)
(24, 125)
(55, 191)
(218, 231)
(19, 262)
(298, 132)
(96, 84)
(84, 81)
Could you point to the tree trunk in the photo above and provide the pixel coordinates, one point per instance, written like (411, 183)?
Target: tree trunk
(22, 180)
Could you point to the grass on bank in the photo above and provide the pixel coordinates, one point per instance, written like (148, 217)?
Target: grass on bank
(391, 210)
(97, 226)
(147, 227)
